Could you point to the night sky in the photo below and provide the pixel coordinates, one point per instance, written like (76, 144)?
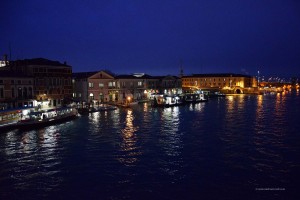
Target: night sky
(154, 37)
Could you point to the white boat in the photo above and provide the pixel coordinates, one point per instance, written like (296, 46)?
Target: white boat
(195, 98)
(160, 100)
(9, 119)
(30, 119)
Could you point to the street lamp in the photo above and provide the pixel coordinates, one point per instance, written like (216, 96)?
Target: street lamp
(128, 99)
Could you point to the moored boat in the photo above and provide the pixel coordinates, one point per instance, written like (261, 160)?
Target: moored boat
(106, 107)
(195, 98)
(30, 119)
(166, 100)
(9, 119)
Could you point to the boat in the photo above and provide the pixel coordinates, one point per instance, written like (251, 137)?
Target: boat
(216, 94)
(9, 119)
(101, 107)
(195, 98)
(30, 119)
(105, 107)
(160, 100)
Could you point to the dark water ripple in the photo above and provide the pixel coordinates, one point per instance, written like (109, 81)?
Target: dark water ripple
(237, 147)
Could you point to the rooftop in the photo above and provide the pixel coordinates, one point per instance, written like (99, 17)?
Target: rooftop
(217, 75)
(38, 61)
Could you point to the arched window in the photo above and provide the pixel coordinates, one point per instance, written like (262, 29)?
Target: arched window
(25, 92)
(13, 92)
(30, 92)
(20, 92)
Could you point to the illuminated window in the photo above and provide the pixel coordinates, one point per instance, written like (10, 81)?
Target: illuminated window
(101, 85)
(140, 83)
(91, 85)
(111, 84)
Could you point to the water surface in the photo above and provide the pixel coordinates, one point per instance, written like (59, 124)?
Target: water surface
(237, 147)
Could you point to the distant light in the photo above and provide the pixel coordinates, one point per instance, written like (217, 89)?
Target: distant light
(138, 74)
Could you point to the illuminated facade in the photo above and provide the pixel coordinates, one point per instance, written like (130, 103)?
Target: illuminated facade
(236, 83)
(103, 86)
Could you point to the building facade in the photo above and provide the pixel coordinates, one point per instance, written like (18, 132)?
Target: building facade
(102, 86)
(52, 80)
(227, 83)
(141, 86)
(170, 85)
(94, 87)
(16, 90)
(134, 86)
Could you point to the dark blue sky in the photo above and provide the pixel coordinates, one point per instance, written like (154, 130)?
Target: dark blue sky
(126, 36)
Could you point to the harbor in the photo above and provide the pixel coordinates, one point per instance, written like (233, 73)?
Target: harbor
(225, 147)
(150, 100)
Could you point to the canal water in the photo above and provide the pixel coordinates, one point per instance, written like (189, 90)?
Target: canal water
(235, 147)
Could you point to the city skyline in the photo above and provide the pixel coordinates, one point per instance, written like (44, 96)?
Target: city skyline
(156, 37)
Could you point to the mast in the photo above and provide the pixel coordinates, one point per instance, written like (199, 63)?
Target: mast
(181, 69)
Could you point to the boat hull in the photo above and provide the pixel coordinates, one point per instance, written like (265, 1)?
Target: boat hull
(35, 120)
(31, 125)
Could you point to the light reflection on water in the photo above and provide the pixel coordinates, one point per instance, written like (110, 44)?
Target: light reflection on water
(225, 146)
(171, 137)
(197, 107)
(32, 158)
(129, 139)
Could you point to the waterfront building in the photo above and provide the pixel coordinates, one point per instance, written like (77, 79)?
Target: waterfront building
(170, 85)
(136, 86)
(227, 83)
(94, 87)
(103, 86)
(16, 90)
(51, 80)
(140, 86)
